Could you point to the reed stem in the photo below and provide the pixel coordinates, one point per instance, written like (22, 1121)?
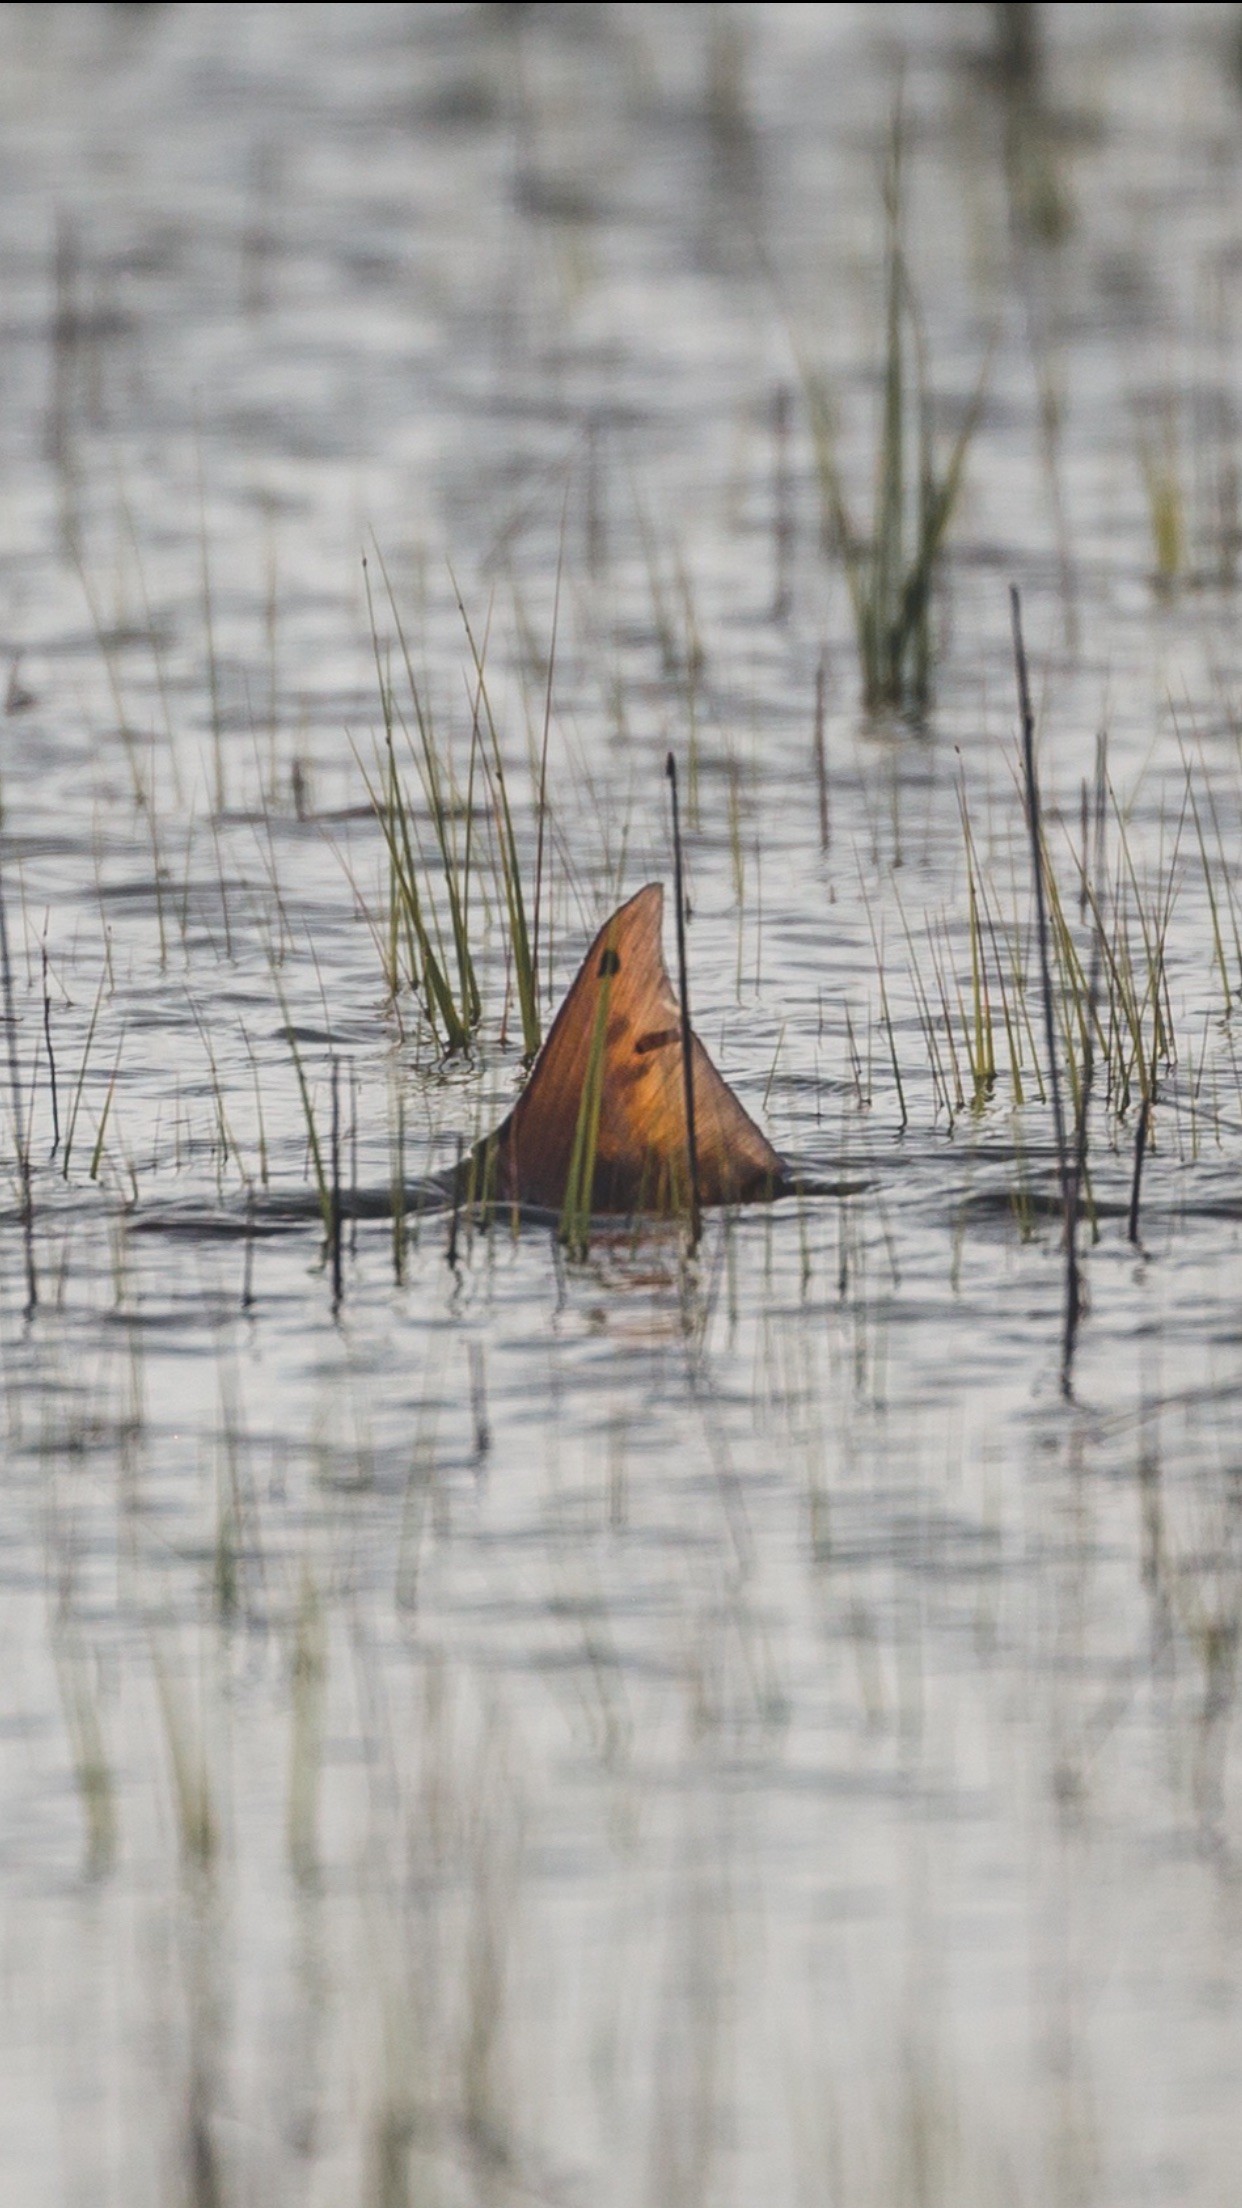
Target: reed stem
(1035, 828)
(687, 1038)
(19, 1135)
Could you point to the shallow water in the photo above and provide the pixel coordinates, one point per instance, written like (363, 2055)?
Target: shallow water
(670, 1725)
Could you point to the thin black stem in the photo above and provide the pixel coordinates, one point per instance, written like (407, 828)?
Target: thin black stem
(1037, 870)
(51, 1057)
(451, 1252)
(15, 1084)
(542, 807)
(1140, 1152)
(687, 1038)
(353, 1160)
(336, 1185)
(248, 1255)
(1075, 1298)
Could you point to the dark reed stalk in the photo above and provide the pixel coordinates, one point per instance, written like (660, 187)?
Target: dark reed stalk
(1140, 1154)
(1037, 868)
(81, 1081)
(353, 1159)
(1154, 945)
(335, 1235)
(51, 1057)
(821, 756)
(542, 803)
(687, 1040)
(247, 1300)
(15, 1086)
(1075, 1300)
(451, 1252)
(478, 1402)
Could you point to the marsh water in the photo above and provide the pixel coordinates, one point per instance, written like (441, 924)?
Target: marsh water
(666, 1725)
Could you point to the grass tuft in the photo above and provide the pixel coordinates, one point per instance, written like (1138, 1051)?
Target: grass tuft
(892, 570)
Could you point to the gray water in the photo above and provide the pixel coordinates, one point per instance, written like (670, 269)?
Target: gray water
(672, 1726)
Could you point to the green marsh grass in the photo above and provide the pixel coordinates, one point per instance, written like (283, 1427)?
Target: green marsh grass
(519, 937)
(551, 1437)
(443, 806)
(410, 937)
(1098, 993)
(892, 570)
(974, 993)
(412, 949)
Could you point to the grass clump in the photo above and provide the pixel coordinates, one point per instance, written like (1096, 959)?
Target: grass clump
(892, 568)
(431, 827)
(415, 949)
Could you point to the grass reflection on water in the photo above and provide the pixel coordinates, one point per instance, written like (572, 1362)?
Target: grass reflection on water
(653, 1726)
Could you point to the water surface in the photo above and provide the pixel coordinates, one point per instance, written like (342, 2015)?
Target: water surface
(666, 1726)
